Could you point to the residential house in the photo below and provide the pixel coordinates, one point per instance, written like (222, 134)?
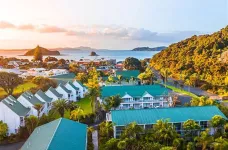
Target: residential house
(13, 113)
(75, 90)
(28, 100)
(52, 93)
(44, 98)
(67, 94)
(146, 118)
(56, 72)
(60, 134)
(82, 88)
(138, 96)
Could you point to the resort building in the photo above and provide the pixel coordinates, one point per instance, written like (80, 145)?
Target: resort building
(138, 96)
(13, 113)
(65, 92)
(146, 118)
(60, 134)
(51, 92)
(75, 90)
(82, 88)
(44, 98)
(27, 99)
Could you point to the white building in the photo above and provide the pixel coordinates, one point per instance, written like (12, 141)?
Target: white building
(44, 98)
(13, 113)
(137, 97)
(28, 100)
(67, 94)
(56, 72)
(75, 90)
(52, 93)
(82, 88)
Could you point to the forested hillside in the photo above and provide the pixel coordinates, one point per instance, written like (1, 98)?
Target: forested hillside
(200, 59)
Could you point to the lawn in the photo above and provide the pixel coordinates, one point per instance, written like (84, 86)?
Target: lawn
(181, 91)
(21, 88)
(84, 103)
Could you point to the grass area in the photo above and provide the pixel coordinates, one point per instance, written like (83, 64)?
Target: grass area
(181, 91)
(21, 88)
(84, 103)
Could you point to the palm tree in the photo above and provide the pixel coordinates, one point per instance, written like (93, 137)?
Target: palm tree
(106, 129)
(111, 102)
(60, 106)
(164, 75)
(191, 129)
(38, 107)
(131, 131)
(220, 144)
(217, 122)
(120, 78)
(164, 132)
(204, 140)
(77, 114)
(93, 94)
(31, 123)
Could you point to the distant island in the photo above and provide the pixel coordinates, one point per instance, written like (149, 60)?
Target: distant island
(93, 54)
(73, 48)
(44, 51)
(149, 49)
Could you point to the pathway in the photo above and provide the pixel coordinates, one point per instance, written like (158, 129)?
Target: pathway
(95, 139)
(14, 146)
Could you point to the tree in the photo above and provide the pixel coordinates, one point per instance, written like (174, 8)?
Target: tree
(148, 76)
(38, 107)
(61, 62)
(120, 78)
(204, 140)
(190, 146)
(111, 79)
(9, 81)
(3, 130)
(60, 106)
(72, 105)
(217, 122)
(77, 114)
(164, 75)
(132, 63)
(50, 59)
(38, 56)
(83, 77)
(220, 144)
(131, 131)
(164, 132)
(44, 83)
(111, 102)
(31, 123)
(191, 129)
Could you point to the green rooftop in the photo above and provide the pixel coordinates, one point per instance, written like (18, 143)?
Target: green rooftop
(31, 98)
(60, 134)
(69, 76)
(73, 86)
(133, 90)
(128, 73)
(55, 92)
(44, 96)
(15, 106)
(175, 115)
(65, 89)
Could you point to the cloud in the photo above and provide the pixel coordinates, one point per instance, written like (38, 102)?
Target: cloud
(6, 25)
(51, 29)
(113, 31)
(26, 27)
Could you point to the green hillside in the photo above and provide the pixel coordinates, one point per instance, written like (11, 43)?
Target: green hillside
(200, 59)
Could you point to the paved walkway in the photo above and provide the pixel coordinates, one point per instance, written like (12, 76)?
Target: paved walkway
(14, 146)
(95, 139)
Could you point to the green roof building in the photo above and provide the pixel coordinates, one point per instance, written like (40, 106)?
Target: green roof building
(60, 134)
(176, 115)
(128, 74)
(139, 96)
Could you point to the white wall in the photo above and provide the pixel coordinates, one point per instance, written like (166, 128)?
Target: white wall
(74, 92)
(61, 91)
(82, 89)
(9, 117)
(26, 103)
(45, 108)
(51, 95)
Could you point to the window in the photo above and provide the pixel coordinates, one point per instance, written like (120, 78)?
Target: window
(177, 126)
(68, 96)
(203, 125)
(148, 126)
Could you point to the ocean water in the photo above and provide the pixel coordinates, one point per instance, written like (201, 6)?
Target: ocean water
(119, 55)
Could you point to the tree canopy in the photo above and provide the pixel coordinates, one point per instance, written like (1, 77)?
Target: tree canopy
(200, 55)
(132, 63)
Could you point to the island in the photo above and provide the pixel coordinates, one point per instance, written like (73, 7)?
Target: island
(160, 48)
(93, 54)
(45, 52)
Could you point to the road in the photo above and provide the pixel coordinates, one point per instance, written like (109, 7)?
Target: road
(14, 146)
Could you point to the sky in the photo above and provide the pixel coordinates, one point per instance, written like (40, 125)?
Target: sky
(107, 24)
